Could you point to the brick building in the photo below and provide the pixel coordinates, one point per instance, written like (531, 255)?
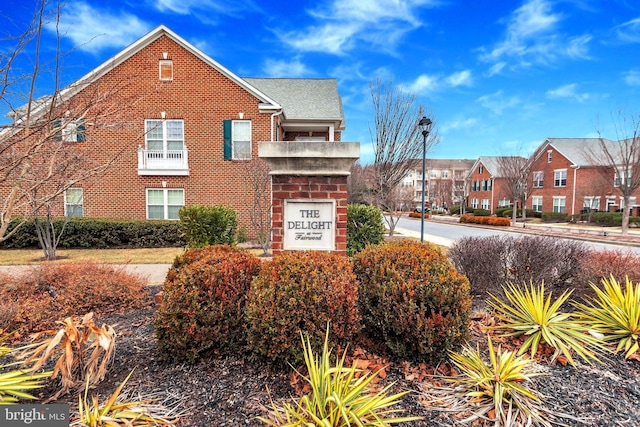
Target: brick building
(486, 183)
(569, 175)
(181, 128)
(444, 182)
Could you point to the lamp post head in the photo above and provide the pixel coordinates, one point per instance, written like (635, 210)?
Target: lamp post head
(425, 124)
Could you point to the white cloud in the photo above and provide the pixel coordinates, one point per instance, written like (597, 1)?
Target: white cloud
(497, 102)
(293, 68)
(632, 78)
(459, 123)
(532, 37)
(189, 7)
(568, 91)
(91, 29)
(424, 83)
(461, 78)
(629, 31)
(343, 24)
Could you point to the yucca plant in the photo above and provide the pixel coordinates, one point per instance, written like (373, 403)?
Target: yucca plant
(615, 313)
(82, 349)
(338, 397)
(528, 312)
(496, 390)
(13, 384)
(118, 411)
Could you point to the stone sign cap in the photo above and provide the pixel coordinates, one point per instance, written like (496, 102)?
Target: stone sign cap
(309, 157)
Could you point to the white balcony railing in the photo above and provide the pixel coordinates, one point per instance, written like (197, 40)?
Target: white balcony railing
(163, 162)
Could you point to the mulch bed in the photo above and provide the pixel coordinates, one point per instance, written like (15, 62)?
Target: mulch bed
(233, 391)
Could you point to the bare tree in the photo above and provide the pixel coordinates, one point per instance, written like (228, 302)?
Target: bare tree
(514, 172)
(42, 153)
(256, 173)
(397, 142)
(622, 157)
(358, 183)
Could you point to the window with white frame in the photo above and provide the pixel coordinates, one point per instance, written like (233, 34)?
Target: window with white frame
(480, 169)
(504, 203)
(164, 136)
(445, 174)
(591, 203)
(67, 130)
(560, 178)
(549, 156)
(559, 204)
(164, 203)
(485, 204)
(237, 139)
(632, 202)
(622, 178)
(74, 202)
(474, 203)
(538, 179)
(536, 203)
(166, 69)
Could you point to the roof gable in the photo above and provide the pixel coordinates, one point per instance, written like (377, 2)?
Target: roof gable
(579, 151)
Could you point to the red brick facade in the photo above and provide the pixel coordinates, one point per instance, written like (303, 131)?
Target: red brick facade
(286, 187)
(485, 189)
(200, 94)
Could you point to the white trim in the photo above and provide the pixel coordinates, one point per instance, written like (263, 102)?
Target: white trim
(81, 204)
(165, 192)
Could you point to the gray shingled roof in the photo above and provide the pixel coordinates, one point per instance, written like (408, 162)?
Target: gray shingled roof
(583, 151)
(492, 164)
(303, 99)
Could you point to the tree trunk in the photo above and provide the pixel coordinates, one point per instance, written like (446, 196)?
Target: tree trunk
(625, 216)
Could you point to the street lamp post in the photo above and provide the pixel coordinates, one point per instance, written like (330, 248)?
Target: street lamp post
(424, 125)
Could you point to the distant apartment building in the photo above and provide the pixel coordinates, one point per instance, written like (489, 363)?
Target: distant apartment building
(487, 185)
(444, 182)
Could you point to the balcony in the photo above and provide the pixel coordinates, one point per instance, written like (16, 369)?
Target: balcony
(163, 162)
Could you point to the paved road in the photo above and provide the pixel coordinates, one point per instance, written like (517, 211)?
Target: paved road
(446, 233)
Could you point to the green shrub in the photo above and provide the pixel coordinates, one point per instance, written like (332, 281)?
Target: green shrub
(102, 233)
(501, 211)
(607, 218)
(554, 217)
(365, 226)
(203, 303)
(508, 212)
(301, 291)
(208, 225)
(412, 297)
(481, 212)
(47, 293)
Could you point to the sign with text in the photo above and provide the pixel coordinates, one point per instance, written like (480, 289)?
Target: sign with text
(34, 415)
(309, 225)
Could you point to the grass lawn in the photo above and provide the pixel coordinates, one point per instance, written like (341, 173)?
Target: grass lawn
(108, 256)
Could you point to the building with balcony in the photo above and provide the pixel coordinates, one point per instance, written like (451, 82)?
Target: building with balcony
(444, 182)
(178, 128)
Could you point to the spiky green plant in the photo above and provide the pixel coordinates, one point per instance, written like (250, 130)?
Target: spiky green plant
(528, 312)
(118, 411)
(497, 386)
(338, 398)
(615, 313)
(14, 383)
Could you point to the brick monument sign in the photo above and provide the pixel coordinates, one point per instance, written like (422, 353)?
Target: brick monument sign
(309, 193)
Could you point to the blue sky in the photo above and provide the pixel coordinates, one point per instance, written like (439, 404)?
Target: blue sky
(499, 76)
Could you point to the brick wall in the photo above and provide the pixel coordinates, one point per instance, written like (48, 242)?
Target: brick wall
(286, 187)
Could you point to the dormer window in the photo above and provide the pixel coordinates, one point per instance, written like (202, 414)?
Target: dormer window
(166, 70)
(69, 130)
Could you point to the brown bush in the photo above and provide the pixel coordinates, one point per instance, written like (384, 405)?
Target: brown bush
(412, 298)
(301, 291)
(598, 265)
(418, 215)
(202, 311)
(47, 293)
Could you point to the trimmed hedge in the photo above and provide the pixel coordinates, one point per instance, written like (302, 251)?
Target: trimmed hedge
(102, 233)
(365, 226)
(481, 212)
(486, 220)
(417, 215)
(554, 217)
(208, 225)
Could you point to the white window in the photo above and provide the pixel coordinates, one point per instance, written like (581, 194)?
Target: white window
(485, 204)
(164, 136)
(433, 174)
(166, 69)
(504, 203)
(560, 178)
(632, 202)
(241, 139)
(69, 130)
(445, 174)
(474, 203)
(591, 203)
(559, 204)
(549, 156)
(624, 177)
(536, 203)
(164, 203)
(73, 202)
(538, 179)
(480, 169)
